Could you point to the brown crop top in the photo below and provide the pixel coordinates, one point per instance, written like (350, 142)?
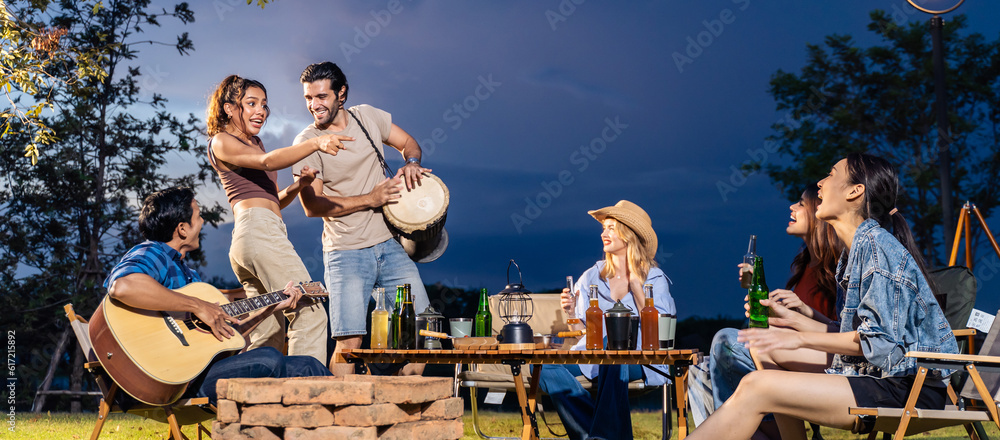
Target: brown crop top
(243, 183)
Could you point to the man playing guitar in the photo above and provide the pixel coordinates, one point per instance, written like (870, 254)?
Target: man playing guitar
(170, 221)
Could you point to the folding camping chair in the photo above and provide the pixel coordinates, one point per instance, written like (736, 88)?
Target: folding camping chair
(177, 415)
(982, 385)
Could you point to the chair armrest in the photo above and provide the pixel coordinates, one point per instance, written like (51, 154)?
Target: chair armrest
(964, 332)
(955, 361)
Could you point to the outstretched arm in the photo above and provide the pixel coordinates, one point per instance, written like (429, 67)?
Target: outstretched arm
(232, 150)
(143, 292)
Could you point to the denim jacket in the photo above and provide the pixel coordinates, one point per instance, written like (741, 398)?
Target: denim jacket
(888, 302)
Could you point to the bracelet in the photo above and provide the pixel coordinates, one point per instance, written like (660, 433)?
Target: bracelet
(415, 160)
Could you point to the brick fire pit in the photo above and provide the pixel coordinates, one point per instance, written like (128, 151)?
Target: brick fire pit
(351, 407)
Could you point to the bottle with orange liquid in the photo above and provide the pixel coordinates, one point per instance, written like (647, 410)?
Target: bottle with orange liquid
(595, 322)
(650, 321)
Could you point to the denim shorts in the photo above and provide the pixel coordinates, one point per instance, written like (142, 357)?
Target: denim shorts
(352, 274)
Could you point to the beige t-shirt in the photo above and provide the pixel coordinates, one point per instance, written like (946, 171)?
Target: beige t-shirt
(352, 172)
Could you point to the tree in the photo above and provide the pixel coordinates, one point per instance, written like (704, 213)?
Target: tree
(881, 100)
(65, 221)
(29, 47)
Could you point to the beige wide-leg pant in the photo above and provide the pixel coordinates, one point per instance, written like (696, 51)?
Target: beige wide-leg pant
(265, 261)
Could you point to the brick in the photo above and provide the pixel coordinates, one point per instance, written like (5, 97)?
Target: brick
(452, 408)
(255, 390)
(376, 415)
(406, 389)
(226, 431)
(327, 392)
(221, 389)
(259, 433)
(227, 412)
(332, 432)
(300, 416)
(425, 429)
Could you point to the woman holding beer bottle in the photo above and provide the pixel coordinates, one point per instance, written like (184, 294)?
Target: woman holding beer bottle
(811, 290)
(889, 309)
(629, 246)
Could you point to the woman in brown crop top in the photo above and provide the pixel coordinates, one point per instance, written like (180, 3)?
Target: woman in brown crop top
(261, 255)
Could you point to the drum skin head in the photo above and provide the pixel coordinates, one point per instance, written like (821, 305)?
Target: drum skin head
(421, 208)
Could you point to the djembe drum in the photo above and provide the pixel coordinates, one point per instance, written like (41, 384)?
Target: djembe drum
(417, 219)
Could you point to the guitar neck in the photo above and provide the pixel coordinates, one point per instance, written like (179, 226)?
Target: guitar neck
(247, 305)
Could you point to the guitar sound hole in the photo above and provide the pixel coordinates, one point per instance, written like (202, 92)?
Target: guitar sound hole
(197, 324)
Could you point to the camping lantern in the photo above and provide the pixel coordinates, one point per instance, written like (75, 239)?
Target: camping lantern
(515, 309)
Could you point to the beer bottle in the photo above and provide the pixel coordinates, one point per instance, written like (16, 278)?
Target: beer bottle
(484, 319)
(407, 322)
(649, 321)
(397, 306)
(746, 272)
(380, 321)
(595, 322)
(758, 291)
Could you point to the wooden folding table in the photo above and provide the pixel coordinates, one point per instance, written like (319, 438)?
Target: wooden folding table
(527, 397)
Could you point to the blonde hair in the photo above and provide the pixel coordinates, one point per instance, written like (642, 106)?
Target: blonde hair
(230, 91)
(635, 253)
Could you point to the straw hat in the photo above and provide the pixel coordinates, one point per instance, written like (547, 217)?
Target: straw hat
(635, 218)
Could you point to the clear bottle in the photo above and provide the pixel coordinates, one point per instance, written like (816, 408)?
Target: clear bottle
(397, 306)
(746, 272)
(571, 320)
(484, 319)
(595, 322)
(380, 320)
(407, 322)
(758, 291)
(650, 321)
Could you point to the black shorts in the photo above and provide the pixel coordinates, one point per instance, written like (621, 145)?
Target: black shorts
(892, 392)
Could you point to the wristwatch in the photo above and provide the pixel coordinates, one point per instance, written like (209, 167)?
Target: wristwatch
(415, 160)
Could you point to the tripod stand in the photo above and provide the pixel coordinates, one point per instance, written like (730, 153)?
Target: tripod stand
(965, 219)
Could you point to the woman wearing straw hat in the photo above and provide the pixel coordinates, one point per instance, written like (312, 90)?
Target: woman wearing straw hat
(629, 245)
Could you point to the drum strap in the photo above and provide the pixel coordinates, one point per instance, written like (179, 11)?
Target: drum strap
(385, 167)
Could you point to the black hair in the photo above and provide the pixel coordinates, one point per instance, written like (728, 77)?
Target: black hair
(163, 210)
(326, 70)
(881, 193)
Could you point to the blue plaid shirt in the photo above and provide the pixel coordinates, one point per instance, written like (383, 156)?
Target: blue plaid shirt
(156, 259)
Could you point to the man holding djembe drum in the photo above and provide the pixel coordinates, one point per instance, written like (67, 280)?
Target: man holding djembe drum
(349, 192)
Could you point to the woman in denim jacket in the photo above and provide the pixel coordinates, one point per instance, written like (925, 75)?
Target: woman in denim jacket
(889, 309)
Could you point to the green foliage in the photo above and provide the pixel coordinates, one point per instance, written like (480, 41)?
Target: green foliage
(881, 100)
(65, 221)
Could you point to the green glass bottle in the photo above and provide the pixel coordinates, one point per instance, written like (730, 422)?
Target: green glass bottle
(394, 318)
(407, 322)
(758, 291)
(484, 319)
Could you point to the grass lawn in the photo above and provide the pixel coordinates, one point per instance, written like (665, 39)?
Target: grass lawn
(62, 426)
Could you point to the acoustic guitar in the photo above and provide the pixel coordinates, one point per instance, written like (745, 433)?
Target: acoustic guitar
(153, 355)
